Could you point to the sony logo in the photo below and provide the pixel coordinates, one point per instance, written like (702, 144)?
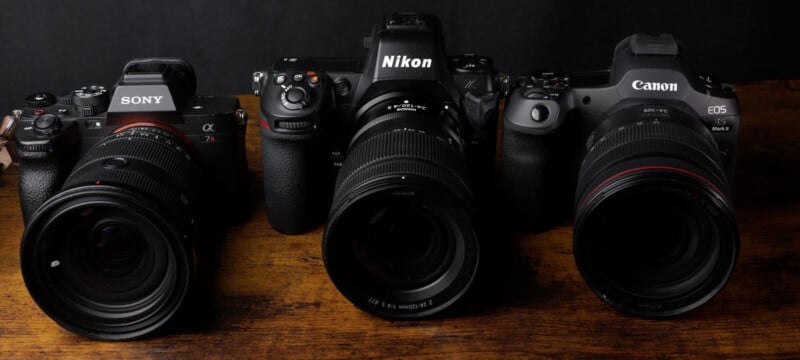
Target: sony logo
(403, 61)
(136, 100)
(654, 86)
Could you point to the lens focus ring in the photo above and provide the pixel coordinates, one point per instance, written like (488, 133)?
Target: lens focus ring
(403, 152)
(157, 163)
(649, 139)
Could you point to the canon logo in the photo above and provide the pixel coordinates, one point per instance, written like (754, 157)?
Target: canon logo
(403, 61)
(654, 86)
(136, 100)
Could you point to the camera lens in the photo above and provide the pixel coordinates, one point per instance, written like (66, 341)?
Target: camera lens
(110, 255)
(655, 233)
(400, 241)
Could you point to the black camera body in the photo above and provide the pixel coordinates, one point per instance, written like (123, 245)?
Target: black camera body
(394, 145)
(120, 191)
(312, 108)
(644, 157)
(54, 132)
(552, 121)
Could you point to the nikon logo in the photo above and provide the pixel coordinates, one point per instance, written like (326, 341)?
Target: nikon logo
(403, 61)
(136, 100)
(654, 86)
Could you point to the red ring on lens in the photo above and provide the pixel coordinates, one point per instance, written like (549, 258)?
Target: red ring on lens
(643, 168)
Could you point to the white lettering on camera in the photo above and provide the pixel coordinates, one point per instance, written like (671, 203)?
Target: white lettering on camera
(403, 61)
(137, 100)
(654, 86)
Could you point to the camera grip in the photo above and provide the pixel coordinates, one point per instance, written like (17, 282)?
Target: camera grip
(295, 186)
(39, 179)
(527, 195)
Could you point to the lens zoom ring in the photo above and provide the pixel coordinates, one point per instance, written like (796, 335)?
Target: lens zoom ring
(159, 165)
(651, 140)
(403, 152)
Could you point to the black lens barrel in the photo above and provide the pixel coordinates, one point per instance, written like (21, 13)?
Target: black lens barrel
(127, 199)
(655, 233)
(404, 175)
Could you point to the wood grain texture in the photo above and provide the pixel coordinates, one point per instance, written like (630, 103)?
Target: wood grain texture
(271, 298)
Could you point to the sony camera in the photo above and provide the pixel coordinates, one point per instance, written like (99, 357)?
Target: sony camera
(645, 152)
(392, 146)
(118, 187)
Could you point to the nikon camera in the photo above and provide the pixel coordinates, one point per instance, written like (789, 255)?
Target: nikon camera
(392, 147)
(644, 156)
(118, 188)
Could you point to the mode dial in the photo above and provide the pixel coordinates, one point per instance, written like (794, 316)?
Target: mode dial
(90, 100)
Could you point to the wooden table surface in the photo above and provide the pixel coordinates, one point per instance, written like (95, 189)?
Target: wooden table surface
(271, 297)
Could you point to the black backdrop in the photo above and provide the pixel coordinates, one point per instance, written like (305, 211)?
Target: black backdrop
(58, 45)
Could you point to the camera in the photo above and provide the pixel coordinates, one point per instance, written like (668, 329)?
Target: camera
(395, 147)
(118, 187)
(644, 152)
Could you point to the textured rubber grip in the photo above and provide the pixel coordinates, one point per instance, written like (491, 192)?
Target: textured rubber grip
(39, 179)
(297, 180)
(528, 192)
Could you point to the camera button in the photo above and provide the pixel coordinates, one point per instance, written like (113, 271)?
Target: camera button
(297, 77)
(115, 163)
(46, 124)
(280, 79)
(341, 87)
(539, 113)
(295, 95)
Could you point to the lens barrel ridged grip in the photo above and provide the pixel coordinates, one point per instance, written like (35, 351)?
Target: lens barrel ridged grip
(159, 165)
(672, 141)
(404, 152)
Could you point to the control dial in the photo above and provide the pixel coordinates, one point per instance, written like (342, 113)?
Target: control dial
(550, 81)
(40, 100)
(471, 63)
(295, 98)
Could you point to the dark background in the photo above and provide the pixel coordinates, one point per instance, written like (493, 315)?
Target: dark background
(59, 45)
